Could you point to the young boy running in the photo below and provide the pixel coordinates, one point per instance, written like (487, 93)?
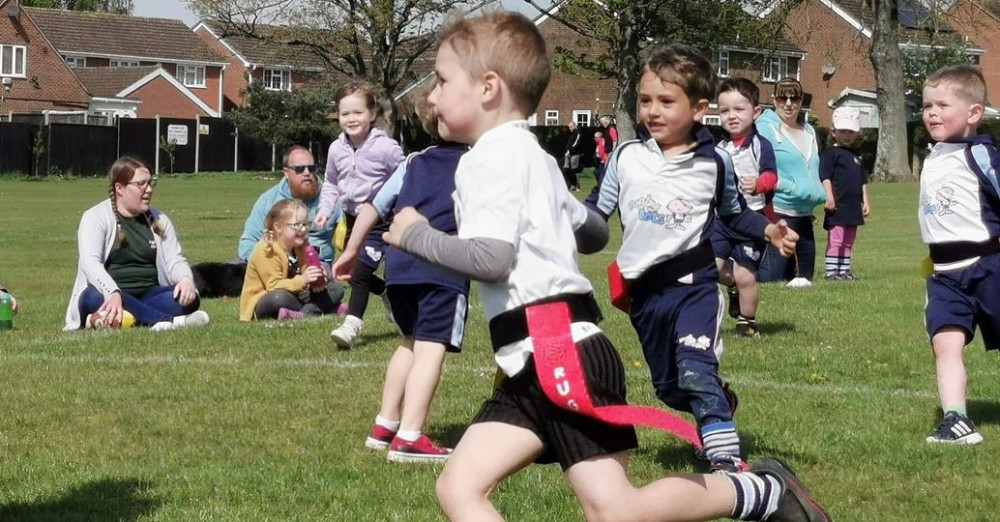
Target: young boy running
(737, 256)
(669, 190)
(428, 305)
(519, 231)
(960, 222)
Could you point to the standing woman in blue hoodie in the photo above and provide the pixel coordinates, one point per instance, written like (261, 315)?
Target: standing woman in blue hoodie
(799, 188)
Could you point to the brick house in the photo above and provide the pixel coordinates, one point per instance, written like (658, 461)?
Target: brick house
(192, 73)
(982, 19)
(836, 35)
(33, 76)
(139, 92)
(279, 67)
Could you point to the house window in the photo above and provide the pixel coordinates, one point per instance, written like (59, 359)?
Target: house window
(13, 60)
(711, 119)
(124, 63)
(775, 69)
(723, 63)
(582, 118)
(76, 61)
(191, 75)
(551, 117)
(277, 80)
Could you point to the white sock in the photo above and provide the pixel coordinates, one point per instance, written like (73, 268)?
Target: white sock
(390, 425)
(409, 436)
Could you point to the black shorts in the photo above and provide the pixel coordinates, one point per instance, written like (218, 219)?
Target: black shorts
(430, 313)
(568, 437)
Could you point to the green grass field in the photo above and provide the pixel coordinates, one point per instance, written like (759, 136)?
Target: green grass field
(267, 421)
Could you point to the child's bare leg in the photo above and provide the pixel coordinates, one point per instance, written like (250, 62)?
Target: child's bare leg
(949, 347)
(605, 493)
(395, 380)
(422, 381)
(488, 453)
(746, 282)
(725, 272)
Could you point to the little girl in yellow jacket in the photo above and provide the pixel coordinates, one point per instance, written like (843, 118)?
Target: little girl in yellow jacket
(277, 281)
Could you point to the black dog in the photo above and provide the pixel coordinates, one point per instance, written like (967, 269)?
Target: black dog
(219, 279)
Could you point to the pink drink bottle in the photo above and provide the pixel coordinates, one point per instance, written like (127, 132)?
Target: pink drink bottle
(312, 259)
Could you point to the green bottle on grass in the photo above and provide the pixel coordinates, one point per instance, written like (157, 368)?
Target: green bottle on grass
(6, 311)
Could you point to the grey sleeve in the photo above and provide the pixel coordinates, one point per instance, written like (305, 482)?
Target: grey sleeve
(593, 235)
(479, 259)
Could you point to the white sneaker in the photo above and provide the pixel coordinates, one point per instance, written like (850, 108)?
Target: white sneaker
(197, 318)
(799, 282)
(348, 332)
(163, 326)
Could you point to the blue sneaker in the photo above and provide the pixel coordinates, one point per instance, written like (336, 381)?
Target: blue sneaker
(955, 429)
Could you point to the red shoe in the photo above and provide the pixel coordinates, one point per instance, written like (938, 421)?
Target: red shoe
(380, 438)
(420, 450)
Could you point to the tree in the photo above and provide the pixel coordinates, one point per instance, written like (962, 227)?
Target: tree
(282, 118)
(891, 158)
(106, 6)
(613, 32)
(378, 40)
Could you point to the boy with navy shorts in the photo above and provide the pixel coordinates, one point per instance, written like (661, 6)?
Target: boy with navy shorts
(428, 304)
(669, 190)
(738, 256)
(959, 218)
(519, 232)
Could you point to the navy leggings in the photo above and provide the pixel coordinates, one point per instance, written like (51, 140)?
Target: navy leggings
(155, 306)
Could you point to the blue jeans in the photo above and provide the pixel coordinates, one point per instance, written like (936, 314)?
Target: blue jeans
(773, 267)
(155, 306)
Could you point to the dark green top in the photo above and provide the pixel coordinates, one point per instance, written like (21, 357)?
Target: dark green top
(133, 264)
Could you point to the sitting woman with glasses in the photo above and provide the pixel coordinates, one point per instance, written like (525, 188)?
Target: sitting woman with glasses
(131, 266)
(279, 284)
(799, 188)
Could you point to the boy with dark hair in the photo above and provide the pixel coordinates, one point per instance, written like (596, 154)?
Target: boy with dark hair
(519, 232)
(960, 222)
(737, 256)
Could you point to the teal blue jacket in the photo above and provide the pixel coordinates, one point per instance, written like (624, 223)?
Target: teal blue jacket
(799, 188)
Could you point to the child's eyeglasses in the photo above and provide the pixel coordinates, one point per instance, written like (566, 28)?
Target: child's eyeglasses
(299, 169)
(151, 182)
(301, 226)
(793, 99)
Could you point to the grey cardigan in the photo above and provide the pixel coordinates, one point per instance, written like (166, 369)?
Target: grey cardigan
(95, 239)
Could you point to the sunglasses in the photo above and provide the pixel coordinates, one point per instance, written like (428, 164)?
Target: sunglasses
(783, 99)
(299, 169)
(151, 182)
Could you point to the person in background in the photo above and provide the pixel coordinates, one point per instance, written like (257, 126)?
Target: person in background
(571, 159)
(846, 185)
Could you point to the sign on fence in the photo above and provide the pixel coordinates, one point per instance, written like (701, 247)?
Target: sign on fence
(177, 134)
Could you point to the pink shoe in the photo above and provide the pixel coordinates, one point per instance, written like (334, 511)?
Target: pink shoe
(380, 438)
(342, 309)
(287, 313)
(421, 450)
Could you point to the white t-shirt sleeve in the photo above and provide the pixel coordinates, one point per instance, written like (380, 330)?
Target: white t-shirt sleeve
(489, 198)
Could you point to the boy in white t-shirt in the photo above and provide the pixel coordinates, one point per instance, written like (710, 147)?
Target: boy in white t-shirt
(519, 232)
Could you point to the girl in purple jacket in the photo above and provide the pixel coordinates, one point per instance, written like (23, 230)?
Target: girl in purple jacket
(360, 160)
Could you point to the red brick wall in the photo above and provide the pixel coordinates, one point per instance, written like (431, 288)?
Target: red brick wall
(50, 84)
(210, 92)
(235, 76)
(567, 92)
(984, 30)
(828, 39)
(159, 97)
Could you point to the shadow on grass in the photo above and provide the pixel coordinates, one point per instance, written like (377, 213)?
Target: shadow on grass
(775, 327)
(125, 499)
(375, 339)
(982, 412)
(448, 435)
(675, 458)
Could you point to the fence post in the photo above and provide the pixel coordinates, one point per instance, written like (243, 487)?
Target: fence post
(197, 141)
(273, 149)
(156, 139)
(236, 150)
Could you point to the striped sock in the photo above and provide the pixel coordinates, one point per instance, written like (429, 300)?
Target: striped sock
(757, 495)
(845, 265)
(832, 265)
(720, 440)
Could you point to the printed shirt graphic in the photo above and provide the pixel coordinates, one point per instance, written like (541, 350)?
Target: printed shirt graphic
(664, 203)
